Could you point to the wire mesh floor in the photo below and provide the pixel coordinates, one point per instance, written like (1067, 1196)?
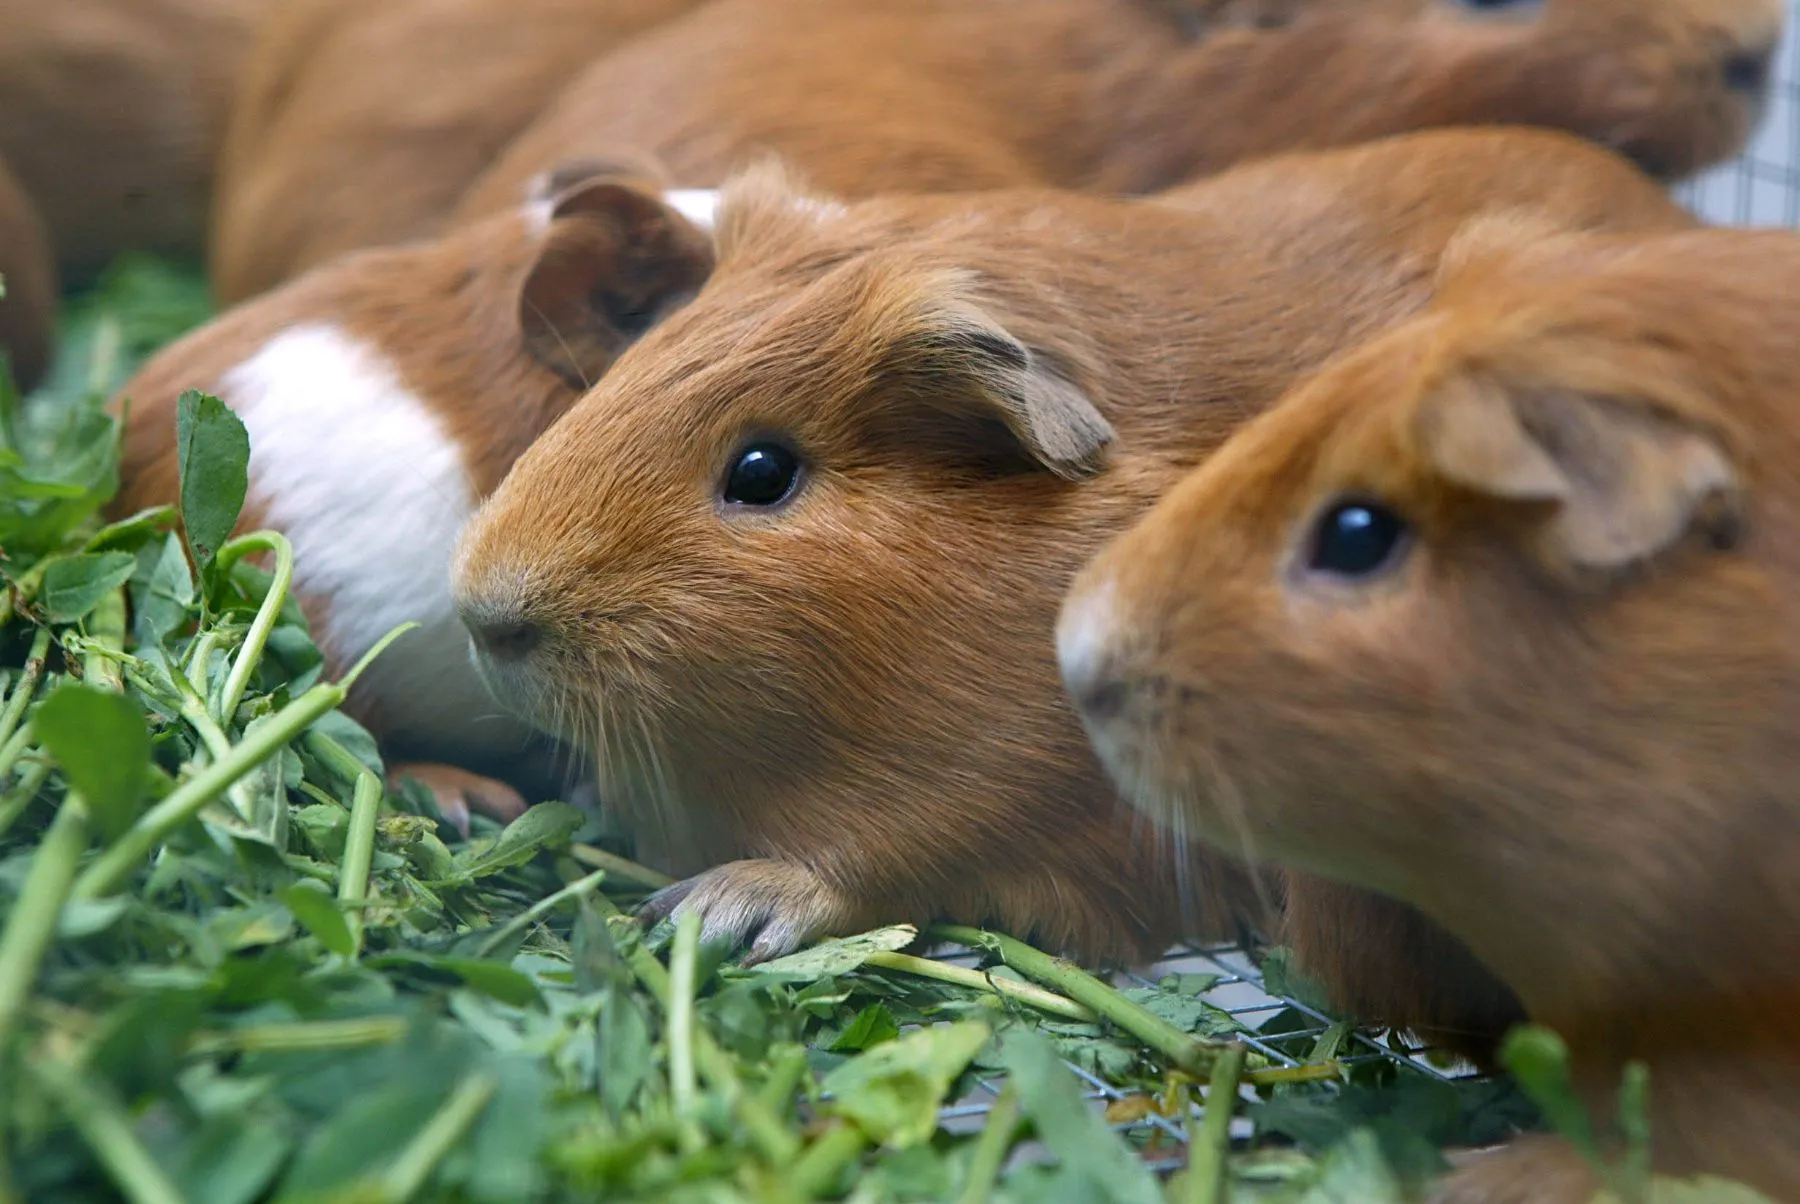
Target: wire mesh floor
(1238, 990)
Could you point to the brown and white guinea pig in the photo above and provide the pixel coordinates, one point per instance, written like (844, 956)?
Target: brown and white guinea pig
(789, 573)
(1499, 615)
(385, 394)
(1111, 96)
(29, 284)
(112, 112)
(361, 124)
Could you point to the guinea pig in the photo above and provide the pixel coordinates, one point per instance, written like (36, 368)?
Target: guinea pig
(360, 125)
(28, 281)
(385, 394)
(1497, 615)
(789, 572)
(1098, 94)
(111, 114)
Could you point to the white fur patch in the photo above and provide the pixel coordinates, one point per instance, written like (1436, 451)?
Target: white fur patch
(698, 205)
(368, 485)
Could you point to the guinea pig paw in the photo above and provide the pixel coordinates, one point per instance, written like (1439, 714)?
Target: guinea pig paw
(774, 907)
(457, 790)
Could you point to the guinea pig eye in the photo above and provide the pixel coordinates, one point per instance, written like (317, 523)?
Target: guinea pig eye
(1494, 6)
(762, 474)
(1357, 539)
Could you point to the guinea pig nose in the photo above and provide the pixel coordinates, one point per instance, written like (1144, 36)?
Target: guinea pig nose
(1748, 71)
(1085, 653)
(504, 637)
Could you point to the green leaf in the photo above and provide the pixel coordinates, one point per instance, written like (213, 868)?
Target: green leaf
(829, 959)
(231, 1160)
(547, 825)
(872, 1026)
(893, 1092)
(74, 585)
(627, 1053)
(214, 455)
(491, 978)
(314, 907)
(1354, 1172)
(104, 749)
(1079, 1136)
(1539, 1060)
(162, 591)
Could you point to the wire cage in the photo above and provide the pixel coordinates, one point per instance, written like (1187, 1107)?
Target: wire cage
(1759, 188)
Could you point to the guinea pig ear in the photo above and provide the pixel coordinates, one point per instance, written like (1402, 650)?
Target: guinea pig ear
(1626, 479)
(615, 259)
(1040, 412)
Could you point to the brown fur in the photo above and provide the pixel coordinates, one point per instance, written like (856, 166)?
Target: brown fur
(857, 694)
(360, 124)
(1562, 721)
(28, 274)
(933, 95)
(462, 321)
(111, 114)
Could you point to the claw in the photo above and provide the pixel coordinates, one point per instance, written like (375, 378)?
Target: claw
(774, 907)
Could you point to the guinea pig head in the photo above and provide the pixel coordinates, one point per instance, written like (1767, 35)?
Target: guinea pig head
(790, 572)
(1460, 620)
(386, 393)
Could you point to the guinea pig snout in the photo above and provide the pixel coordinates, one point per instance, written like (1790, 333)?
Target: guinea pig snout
(1089, 639)
(502, 629)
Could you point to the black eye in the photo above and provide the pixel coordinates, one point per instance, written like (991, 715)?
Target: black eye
(1496, 5)
(1356, 539)
(764, 474)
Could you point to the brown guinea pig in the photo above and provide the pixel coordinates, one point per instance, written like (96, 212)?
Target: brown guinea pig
(111, 114)
(1098, 94)
(28, 278)
(360, 125)
(789, 572)
(386, 394)
(1497, 615)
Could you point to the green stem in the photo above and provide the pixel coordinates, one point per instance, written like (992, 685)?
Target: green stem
(32, 925)
(359, 849)
(188, 799)
(991, 1148)
(574, 891)
(106, 640)
(684, 957)
(818, 1170)
(304, 1035)
(421, 1156)
(619, 867)
(1311, 1072)
(27, 686)
(104, 1125)
(15, 748)
(20, 797)
(1183, 1051)
(250, 654)
(787, 1066)
(962, 976)
(1209, 1138)
(336, 758)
